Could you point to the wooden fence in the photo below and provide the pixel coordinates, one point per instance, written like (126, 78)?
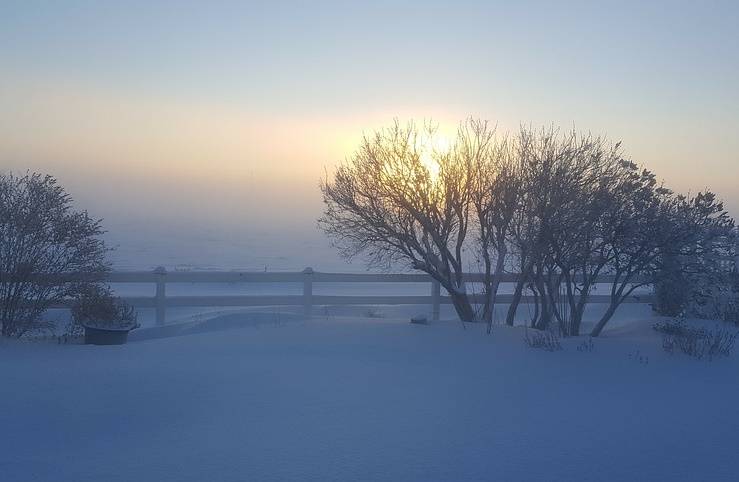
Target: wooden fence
(160, 278)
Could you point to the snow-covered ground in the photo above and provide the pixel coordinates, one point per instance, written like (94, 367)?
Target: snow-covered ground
(266, 397)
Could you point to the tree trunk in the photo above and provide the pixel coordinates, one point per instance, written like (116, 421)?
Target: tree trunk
(546, 313)
(513, 307)
(535, 318)
(462, 306)
(604, 319)
(526, 275)
(495, 284)
(487, 309)
(576, 321)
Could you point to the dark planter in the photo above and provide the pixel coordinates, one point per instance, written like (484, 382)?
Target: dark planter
(106, 336)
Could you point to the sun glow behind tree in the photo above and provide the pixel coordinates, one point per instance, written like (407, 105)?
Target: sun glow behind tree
(432, 146)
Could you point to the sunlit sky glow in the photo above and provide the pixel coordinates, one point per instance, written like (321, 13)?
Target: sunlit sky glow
(209, 110)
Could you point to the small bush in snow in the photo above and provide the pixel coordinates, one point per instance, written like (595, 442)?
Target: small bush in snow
(544, 340)
(718, 343)
(97, 307)
(586, 346)
(638, 357)
(727, 303)
(697, 343)
(731, 312)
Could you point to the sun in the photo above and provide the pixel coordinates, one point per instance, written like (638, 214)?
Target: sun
(430, 148)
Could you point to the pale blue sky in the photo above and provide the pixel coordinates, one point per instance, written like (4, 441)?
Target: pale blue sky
(218, 105)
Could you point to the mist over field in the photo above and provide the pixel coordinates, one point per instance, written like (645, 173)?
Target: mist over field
(215, 126)
(189, 246)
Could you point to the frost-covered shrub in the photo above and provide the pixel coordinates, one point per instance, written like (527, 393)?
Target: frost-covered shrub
(544, 340)
(731, 311)
(727, 306)
(678, 328)
(701, 292)
(719, 301)
(718, 343)
(97, 307)
(697, 279)
(668, 343)
(671, 290)
(49, 251)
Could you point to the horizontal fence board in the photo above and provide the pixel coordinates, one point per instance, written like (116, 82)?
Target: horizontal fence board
(137, 301)
(205, 301)
(131, 277)
(298, 300)
(318, 277)
(371, 300)
(230, 277)
(290, 277)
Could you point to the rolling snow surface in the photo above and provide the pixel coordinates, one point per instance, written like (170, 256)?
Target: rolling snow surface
(268, 397)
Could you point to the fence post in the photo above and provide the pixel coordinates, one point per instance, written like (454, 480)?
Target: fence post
(308, 291)
(160, 299)
(435, 299)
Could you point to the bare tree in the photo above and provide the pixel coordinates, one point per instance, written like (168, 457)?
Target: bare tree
(536, 151)
(576, 232)
(563, 209)
(496, 194)
(42, 240)
(559, 172)
(386, 203)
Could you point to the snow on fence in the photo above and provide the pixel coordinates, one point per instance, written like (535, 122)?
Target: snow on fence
(160, 277)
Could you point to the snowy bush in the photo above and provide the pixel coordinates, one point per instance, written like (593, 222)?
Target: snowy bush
(97, 307)
(678, 328)
(586, 346)
(719, 301)
(668, 343)
(715, 344)
(725, 301)
(699, 283)
(671, 289)
(719, 304)
(48, 251)
(731, 312)
(544, 340)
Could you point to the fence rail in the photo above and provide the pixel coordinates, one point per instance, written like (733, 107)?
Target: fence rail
(160, 278)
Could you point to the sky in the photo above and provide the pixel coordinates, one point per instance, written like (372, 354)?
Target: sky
(217, 120)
